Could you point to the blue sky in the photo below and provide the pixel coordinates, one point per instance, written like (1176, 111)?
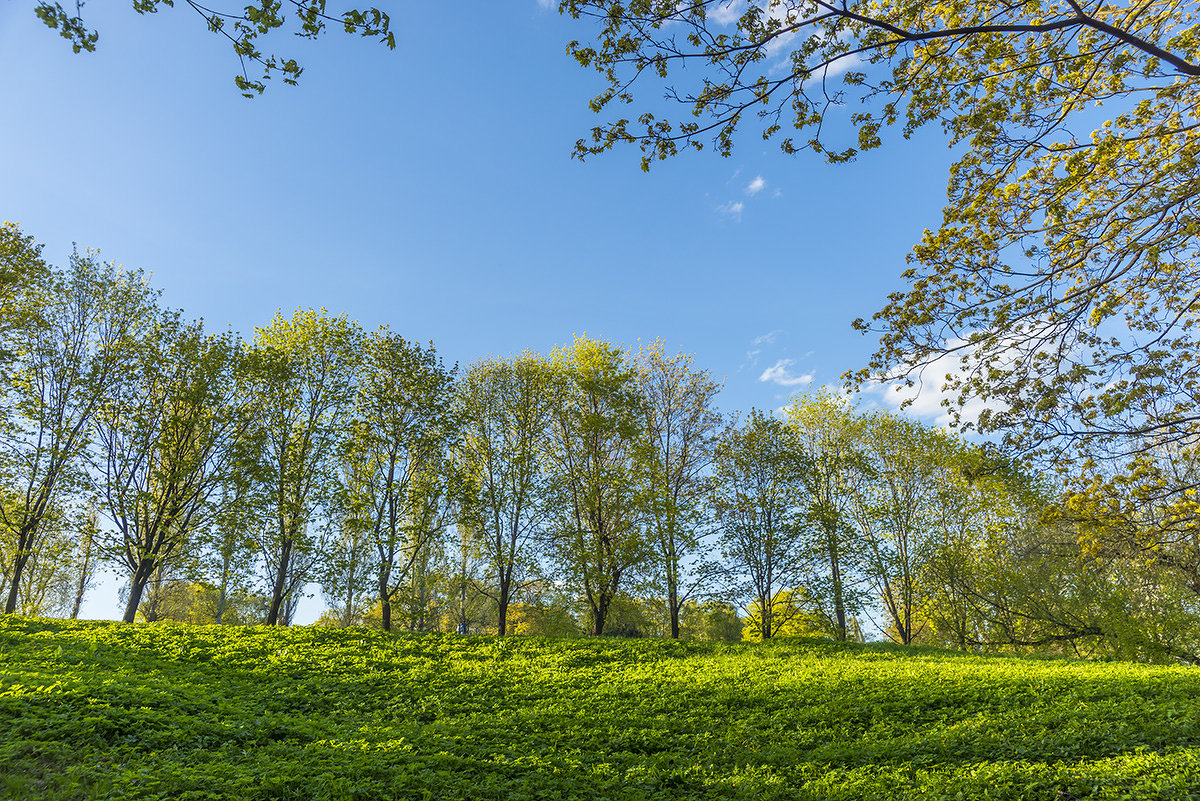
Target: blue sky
(432, 188)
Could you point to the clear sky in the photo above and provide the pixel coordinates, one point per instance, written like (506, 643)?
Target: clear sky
(432, 189)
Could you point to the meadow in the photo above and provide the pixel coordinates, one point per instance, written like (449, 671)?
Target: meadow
(102, 710)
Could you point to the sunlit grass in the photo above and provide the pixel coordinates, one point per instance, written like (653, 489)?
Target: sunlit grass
(97, 710)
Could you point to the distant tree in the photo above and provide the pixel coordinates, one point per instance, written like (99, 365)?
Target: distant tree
(826, 430)
(596, 447)
(349, 576)
(710, 620)
(792, 615)
(403, 424)
(505, 407)
(894, 507)
(87, 558)
(302, 386)
(681, 427)
(228, 547)
(53, 570)
(756, 499)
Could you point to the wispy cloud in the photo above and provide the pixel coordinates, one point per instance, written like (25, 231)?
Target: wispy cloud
(766, 339)
(781, 373)
(545, 3)
(727, 13)
(756, 186)
(732, 210)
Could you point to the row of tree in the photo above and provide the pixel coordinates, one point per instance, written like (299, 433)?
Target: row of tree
(594, 487)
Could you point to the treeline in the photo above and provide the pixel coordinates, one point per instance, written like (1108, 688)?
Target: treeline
(593, 489)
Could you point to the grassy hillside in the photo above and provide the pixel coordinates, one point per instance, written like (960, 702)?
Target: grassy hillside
(91, 710)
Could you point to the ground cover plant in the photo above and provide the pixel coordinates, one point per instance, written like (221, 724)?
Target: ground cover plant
(98, 710)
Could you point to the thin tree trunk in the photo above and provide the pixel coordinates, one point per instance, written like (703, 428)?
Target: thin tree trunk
(24, 549)
(280, 583)
(673, 602)
(137, 586)
(839, 606)
(84, 574)
(223, 594)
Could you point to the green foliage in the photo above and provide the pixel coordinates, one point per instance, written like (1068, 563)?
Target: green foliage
(242, 28)
(505, 408)
(596, 447)
(93, 710)
(757, 470)
(792, 615)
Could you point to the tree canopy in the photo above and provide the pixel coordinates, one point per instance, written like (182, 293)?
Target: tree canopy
(1057, 299)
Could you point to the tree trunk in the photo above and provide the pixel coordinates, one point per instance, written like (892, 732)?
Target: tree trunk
(502, 607)
(280, 583)
(839, 607)
(765, 624)
(599, 613)
(24, 548)
(223, 594)
(84, 574)
(673, 603)
(137, 585)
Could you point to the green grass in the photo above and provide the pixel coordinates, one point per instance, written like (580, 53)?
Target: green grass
(91, 710)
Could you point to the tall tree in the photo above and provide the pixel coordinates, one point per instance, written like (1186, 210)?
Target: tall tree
(86, 559)
(67, 336)
(596, 447)
(506, 410)
(402, 427)
(1055, 303)
(757, 502)
(302, 384)
(894, 507)
(827, 431)
(169, 433)
(681, 426)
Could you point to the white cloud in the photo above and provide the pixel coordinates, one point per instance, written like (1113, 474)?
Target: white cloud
(756, 186)
(545, 3)
(728, 13)
(766, 339)
(780, 373)
(926, 398)
(732, 210)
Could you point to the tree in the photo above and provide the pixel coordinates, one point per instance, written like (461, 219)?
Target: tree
(349, 577)
(681, 425)
(301, 379)
(86, 559)
(792, 616)
(826, 430)
(893, 506)
(22, 269)
(505, 408)
(710, 620)
(1057, 298)
(596, 446)
(757, 470)
(169, 433)
(228, 545)
(242, 29)
(67, 338)
(402, 427)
